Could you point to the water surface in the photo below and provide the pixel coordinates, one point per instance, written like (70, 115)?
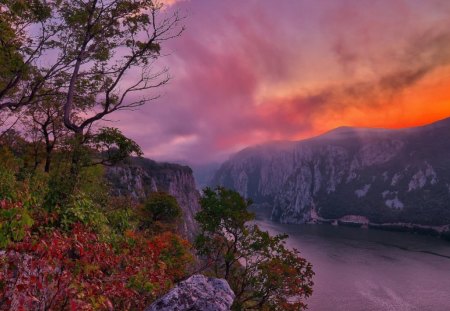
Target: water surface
(363, 269)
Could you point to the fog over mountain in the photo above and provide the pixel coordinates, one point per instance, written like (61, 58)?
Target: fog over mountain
(385, 176)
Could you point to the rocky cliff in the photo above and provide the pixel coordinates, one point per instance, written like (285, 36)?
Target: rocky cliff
(143, 176)
(385, 176)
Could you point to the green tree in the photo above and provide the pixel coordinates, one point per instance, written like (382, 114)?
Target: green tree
(263, 273)
(162, 207)
(45, 129)
(112, 46)
(99, 58)
(111, 146)
(22, 74)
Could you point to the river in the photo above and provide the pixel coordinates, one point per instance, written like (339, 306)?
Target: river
(367, 269)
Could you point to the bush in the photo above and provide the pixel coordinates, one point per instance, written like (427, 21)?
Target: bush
(161, 208)
(8, 185)
(14, 222)
(77, 271)
(121, 220)
(82, 210)
(33, 189)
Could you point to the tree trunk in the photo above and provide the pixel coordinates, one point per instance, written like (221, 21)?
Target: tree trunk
(77, 154)
(48, 148)
(36, 157)
(48, 159)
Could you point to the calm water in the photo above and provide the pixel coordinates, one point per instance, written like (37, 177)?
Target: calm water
(362, 269)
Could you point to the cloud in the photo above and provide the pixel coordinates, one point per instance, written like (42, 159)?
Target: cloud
(246, 72)
(170, 2)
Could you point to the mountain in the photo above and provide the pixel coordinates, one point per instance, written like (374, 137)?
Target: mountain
(377, 175)
(143, 176)
(204, 173)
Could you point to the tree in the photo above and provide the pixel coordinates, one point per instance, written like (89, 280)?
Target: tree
(112, 45)
(99, 54)
(108, 42)
(19, 54)
(111, 146)
(45, 127)
(161, 212)
(263, 273)
(27, 32)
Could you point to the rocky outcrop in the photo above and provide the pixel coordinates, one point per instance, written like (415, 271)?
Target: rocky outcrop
(142, 176)
(197, 293)
(386, 176)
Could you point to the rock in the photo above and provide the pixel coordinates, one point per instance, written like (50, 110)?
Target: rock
(387, 176)
(197, 293)
(143, 176)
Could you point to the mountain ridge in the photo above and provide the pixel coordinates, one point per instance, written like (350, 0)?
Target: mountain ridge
(385, 175)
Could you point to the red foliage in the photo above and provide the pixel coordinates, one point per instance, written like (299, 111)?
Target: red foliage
(77, 271)
(6, 204)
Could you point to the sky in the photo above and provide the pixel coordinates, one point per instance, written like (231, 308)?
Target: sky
(245, 72)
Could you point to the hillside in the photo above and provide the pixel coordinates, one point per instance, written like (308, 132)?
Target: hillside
(387, 176)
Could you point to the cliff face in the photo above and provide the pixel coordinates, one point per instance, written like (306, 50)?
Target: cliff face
(143, 176)
(387, 176)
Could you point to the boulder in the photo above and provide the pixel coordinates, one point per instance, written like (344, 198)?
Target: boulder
(197, 293)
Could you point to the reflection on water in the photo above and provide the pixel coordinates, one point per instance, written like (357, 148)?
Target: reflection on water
(362, 269)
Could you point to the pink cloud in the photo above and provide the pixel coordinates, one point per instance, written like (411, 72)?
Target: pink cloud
(170, 2)
(245, 72)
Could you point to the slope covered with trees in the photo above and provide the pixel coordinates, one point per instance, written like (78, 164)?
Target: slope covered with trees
(70, 241)
(66, 242)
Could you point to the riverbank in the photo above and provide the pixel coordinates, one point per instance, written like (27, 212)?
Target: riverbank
(263, 212)
(442, 232)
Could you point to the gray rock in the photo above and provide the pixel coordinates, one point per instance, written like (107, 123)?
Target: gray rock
(198, 293)
(387, 176)
(141, 177)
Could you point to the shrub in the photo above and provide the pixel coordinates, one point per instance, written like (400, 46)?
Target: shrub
(82, 210)
(121, 214)
(8, 184)
(160, 213)
(163, 207)
(14, 222)
(77, 271)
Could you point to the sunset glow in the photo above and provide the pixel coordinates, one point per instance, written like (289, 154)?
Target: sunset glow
(247, 72)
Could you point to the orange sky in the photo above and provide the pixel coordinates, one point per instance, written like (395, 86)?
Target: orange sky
(423, 103)
(248, 72)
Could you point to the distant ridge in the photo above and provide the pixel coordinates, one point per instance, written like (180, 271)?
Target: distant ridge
(382, 175)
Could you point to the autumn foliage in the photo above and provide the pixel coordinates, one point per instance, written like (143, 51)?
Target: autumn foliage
(65, 243)
(77, 271)
(43, 267)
